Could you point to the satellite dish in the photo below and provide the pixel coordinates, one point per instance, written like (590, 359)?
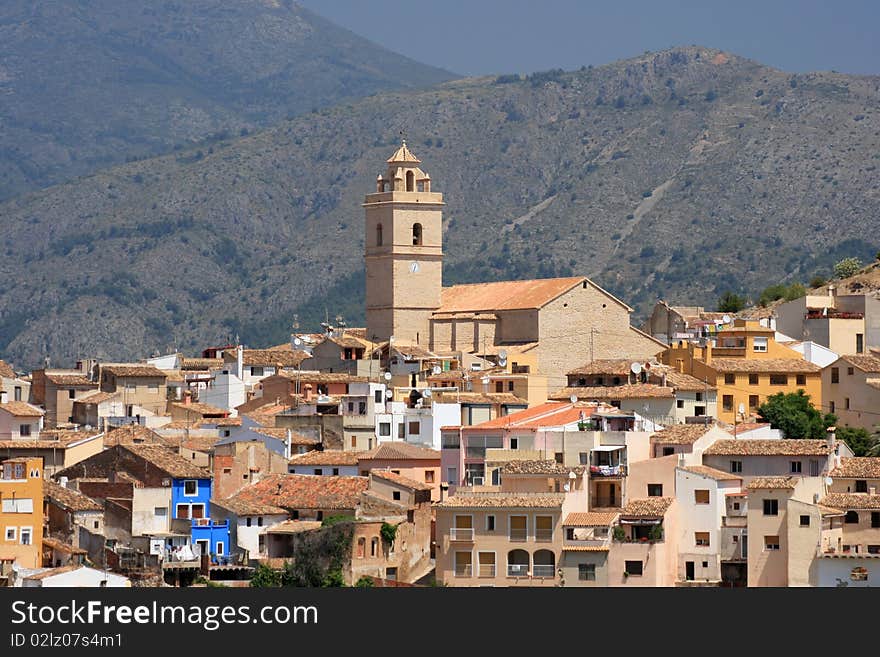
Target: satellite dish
(567, 487)
(389, 394)
(436, 370)
(573, 399)
(726, 319)
(297, 342)
(502, 354)
(427, 393)
(502, 362)
(387, 376)
(742, 409)
(636, 368)
(572, 475)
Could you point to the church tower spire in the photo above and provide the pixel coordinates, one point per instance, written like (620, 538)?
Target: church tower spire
(403, 251)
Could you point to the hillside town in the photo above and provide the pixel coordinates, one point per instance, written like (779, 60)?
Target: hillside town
(520, 433)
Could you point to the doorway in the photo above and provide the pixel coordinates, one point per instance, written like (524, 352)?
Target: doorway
(689, 570)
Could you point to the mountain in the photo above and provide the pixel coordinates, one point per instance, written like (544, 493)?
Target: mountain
(86, 84)
(679, 174)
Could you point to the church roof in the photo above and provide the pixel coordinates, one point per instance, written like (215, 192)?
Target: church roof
(403, 154)
(505, 295)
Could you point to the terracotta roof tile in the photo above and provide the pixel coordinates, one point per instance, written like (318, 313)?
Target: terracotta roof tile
(403, 155)
(772, 483)
(493, 398)
(631, 391)
(681, 434)
(61, 546)
(857, 467)
(543, 467)
(200, 363)
(713, 473)
(586, 548)
(269, 357)
(133, 369)
(646, 507)
(322, 377)
(548, 414)
(200, 409)
(21, 409)
(74, 380)
(772, 365)
(51, 439)
(281, 434)
(398, 450)
(325, 457)
(6, 370)
(168, 461)
(604, 366)
(68, 498)
(504, 295)
(400, 480)
(294, 526)
(510, 500)
(96, 397)
(130, 434)
(51, 572)
(591, 519)
(851, 501)
(769, 447)
(279, 492)
(865, 362)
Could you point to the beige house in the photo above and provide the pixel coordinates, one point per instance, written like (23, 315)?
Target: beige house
(20, 420)
(59, 448)
(851, 390)
(845, 324)
(751, 457)
(16, 389)
(585, 547)
(140, 385)
(644, 546)
(548, 322)
(57, 390)
(512, 534)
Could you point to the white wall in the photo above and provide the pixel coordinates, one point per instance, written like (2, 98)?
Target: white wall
(831, 569)
(143, 504)
(168, 362)
(249, 537)
(815, 353)
(326, 470)
(225, 391)
(80, 578)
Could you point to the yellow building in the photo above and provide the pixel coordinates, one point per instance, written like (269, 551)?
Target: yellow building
(746, 365)
(21, 511)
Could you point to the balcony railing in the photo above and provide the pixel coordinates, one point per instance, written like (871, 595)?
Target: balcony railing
(544, 535)
(487, 570)
(608, 470)
(543, 571)
(461, 534)
(463, 570)
(605, 502)
(518, 534)
(517, 570)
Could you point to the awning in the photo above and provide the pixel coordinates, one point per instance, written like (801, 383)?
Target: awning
(608, 448)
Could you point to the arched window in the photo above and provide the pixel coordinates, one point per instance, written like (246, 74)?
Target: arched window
(374, 547)
(378, 234)
(517, 563)
(544, 564)
(417, 234)
(410, 181)
(361, 547)
(852, 517)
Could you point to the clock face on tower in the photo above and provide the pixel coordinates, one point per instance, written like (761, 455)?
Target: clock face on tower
(414, 267)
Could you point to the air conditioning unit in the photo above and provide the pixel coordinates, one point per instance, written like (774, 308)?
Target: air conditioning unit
(477, 481)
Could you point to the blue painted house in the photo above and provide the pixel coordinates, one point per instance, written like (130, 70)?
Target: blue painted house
(191, 500)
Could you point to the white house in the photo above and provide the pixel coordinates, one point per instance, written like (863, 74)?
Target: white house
(225, 390)
(80, 577)
(419, 426)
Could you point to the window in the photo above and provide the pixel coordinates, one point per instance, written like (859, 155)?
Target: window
(753, 401)
(452, 476)
(736, 506)
(153, 387)
(875, 519)
(16, 395)
(851, 518)
(849, 371)
(796, 467)
(354, 440)
(400, 431)
(510, 386)
(835, 375)
(384, 429)
(801, 379)
(701, 539)
(429, 476)
(753, 379)
(668, 451)
(24, 430)
(831, 406)
(727, 402)
(335, 472)
(490, 523)
(417, 228)
(771, 507)
(587, 572)
(190, 487)
(514, 443)
(701, 496)
(160, 511)
(583, 458)
(220, 548)
(97, 524)
(395, 495)
(499, 386)
(805, 521)
(248, 521)
(10, 533)
(699, 396)
(362, 408)
(633, 568)
(559, 457)
(378, 234)
(256, 371)
(846, 403)
(351, 407)
(771, 543)
(679, 403)
(183, 511)
(729, 379)
(71, 394)
(413, 428)
(18, 505)
(25, 535)
(260, 518)
(759, 344)
(319, 471)
(655, 490)
(778, 379)
(874, 549)
(860, 343)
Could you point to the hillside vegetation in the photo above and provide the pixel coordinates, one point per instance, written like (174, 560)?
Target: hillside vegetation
(680, 174)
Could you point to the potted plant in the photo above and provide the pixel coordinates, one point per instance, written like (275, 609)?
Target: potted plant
(619, 533)
(656, 533)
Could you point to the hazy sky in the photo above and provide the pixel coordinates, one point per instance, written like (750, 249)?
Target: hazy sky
(478, 37)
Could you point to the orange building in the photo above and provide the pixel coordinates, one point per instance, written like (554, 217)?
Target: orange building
(21, 511)
(746, 365)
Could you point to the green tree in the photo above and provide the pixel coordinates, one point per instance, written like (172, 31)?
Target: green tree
(794, 415)
(817, 281)
(364, 582)
(847, 267)
(771, 294)
(860, 441)
(265, 577)
(795, 291)
(731, 303)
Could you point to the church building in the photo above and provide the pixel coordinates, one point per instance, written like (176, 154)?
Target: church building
(554, 324)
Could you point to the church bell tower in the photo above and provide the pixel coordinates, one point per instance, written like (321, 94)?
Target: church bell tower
(403, 252)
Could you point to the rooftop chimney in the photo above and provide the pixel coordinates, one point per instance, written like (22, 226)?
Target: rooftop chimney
(239, 364)
(830, 436)
(707, 353)
(831, 290)
(187, 397)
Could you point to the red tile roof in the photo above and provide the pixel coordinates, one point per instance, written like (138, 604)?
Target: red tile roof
(504, 295)
(280, 491)
(550, 414)
(400, 480)
(21, 409)
(769, 447)
(325, 457)
(398, 450)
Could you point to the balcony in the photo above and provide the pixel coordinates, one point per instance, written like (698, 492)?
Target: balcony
(517, 570)
(487, 570)
(608, 470)
(461, 534)
(544, 571)
(734, 521)
(543, 535)
(464, 570)
(518, 535)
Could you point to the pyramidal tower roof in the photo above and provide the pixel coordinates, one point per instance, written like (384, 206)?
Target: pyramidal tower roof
(403, 154)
